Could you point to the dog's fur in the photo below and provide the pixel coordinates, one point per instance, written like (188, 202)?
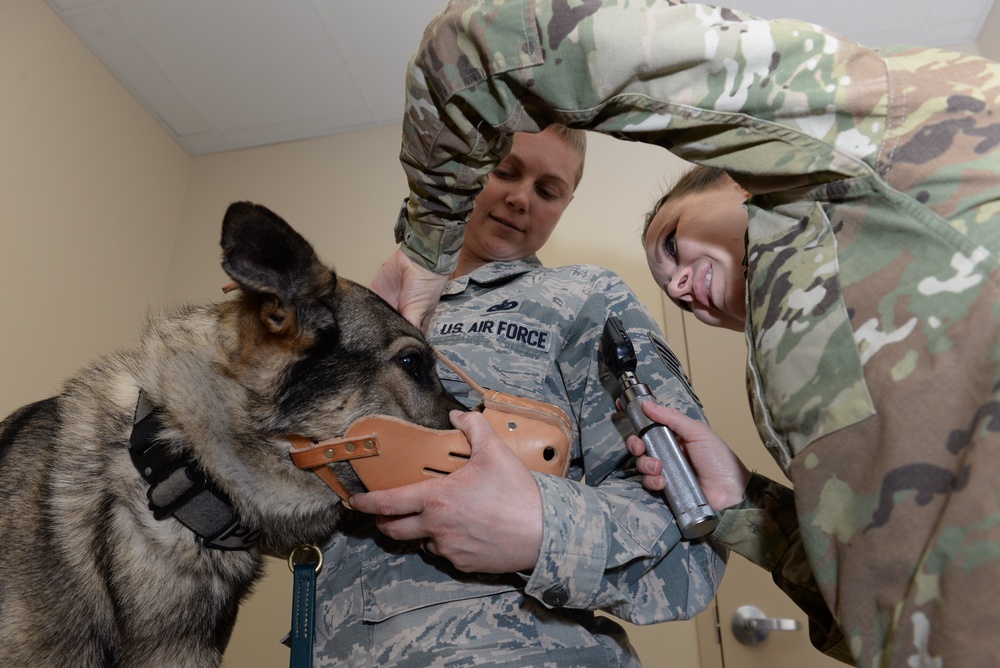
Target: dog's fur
(87, 576)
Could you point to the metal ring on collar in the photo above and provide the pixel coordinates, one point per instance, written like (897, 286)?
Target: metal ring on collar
(302, 548)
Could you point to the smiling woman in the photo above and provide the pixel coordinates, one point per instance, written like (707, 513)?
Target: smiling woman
(694, 239)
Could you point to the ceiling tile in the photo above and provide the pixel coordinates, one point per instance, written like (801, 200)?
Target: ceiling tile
(104, 34)
(245, 69)
(378, 37)
(224, 74)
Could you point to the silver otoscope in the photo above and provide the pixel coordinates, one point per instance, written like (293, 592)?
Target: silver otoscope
(695, 518)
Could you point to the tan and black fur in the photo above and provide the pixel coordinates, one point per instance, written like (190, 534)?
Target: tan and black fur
(88, 577)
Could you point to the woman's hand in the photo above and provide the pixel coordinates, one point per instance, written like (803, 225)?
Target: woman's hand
(721, 474)
(486, 517)
(409, 288)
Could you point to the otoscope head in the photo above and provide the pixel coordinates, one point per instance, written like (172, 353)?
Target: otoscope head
(616, 349)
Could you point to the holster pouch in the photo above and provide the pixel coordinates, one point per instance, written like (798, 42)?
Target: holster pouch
(387, 452)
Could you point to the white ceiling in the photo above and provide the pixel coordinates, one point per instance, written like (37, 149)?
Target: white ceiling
(228, 74)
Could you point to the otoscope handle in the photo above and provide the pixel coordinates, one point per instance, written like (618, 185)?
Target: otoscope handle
(695, 517)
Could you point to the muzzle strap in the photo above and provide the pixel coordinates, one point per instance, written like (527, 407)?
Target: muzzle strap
(317, 456)
(387, 452)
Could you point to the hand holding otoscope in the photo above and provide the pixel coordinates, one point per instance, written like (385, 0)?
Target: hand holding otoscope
(694, 515)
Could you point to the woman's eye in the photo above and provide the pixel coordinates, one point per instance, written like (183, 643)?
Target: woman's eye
(670, 244)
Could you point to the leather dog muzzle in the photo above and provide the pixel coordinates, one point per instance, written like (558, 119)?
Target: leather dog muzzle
(387, 452)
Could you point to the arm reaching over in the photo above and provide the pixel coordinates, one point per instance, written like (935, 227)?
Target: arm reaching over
(660, 73)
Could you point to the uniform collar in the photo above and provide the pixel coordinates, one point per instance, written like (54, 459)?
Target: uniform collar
(493, 273)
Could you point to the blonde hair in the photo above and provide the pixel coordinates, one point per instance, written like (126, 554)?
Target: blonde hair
(577, 139)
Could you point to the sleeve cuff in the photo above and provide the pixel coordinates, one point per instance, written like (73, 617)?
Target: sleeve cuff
(433, 246)
(574, 548)
(752, 531)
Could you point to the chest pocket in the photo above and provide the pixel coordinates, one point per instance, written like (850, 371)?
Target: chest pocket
(507, 353)
(397, 584)
(804, 373)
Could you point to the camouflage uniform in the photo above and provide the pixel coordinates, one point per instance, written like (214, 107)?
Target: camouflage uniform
(872, 264)
(608, 544)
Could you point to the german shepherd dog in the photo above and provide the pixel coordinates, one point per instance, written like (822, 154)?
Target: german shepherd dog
(133, 505)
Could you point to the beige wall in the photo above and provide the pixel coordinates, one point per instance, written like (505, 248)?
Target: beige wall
(342, 193)
(103, 217)
(91, 189)
(989, 36)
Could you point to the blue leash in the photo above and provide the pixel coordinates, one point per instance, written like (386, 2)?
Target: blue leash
(303, 605)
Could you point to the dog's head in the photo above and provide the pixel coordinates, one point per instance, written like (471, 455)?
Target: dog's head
(316, 351)
(344, 351)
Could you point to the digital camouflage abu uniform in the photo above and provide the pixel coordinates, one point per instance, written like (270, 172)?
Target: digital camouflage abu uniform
(608, 544)
(872, 265)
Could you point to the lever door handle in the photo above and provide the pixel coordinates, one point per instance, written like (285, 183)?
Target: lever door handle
(751, 625)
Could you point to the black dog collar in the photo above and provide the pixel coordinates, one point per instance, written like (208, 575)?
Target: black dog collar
(178, 488)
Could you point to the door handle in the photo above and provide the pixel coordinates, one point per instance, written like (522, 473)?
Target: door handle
(751, 625)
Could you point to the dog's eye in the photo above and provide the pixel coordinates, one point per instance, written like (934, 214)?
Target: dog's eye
(410, 363)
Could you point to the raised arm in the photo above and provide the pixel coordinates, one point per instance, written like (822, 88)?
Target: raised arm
(712, 85)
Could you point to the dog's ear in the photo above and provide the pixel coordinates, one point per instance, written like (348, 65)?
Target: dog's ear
(265, 256)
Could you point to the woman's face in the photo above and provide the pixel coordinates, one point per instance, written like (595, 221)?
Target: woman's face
(522, 201)
(695, 248)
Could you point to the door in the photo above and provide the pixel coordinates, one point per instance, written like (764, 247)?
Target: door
(716, 361)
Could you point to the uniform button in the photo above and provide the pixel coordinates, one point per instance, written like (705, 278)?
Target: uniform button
(555, 596)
